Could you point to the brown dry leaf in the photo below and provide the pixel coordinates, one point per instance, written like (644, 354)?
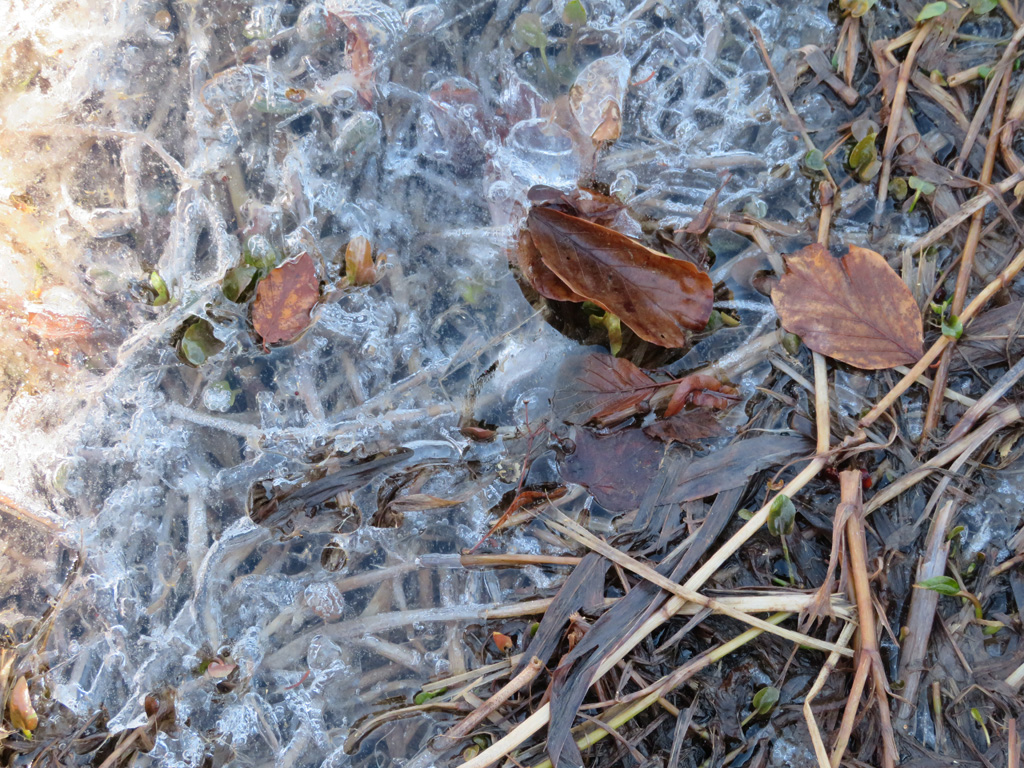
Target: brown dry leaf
(702, 223)
(686, 427)
(616, 469)
(544, 281)
(597, 95)
(600, 388)
(53, 326)
(657, 296)
(359, 266)
(19, 710)
(855, 309)
(284, 300)
(698, 390)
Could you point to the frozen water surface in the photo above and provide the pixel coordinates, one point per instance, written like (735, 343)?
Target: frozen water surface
(142, 137)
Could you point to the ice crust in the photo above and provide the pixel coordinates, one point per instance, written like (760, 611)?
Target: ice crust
(127, 129)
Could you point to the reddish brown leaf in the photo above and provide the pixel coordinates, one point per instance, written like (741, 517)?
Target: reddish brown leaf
(478, 433)
(544, 281)
(686, 427)
(655, 295)
(616, 468)
(855, 309)
(698, 390)
(600, 388)
(359, 266)
(284, 300)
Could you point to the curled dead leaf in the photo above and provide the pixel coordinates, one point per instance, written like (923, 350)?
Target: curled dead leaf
(19, 710)
(855, 309)
(686, 427)
(504, 643)
(700, 390)
(658, 297)
(539, 275)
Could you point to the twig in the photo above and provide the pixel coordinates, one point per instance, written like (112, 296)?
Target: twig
(923, 603)
(39, 518)
(976, 411)
(870, 660)
(963, 277)
(1005, 62)
(539, 719)
(808, 142)
(571, 528)
(357, 735)
(656, 691)
(1015, 678)
(896, 115)
(967, 210)
(830, 666)
(458, 731)
(928, 384)
(967, 444)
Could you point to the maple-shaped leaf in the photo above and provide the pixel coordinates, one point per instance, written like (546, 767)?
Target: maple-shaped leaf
(855, 309)
(284, 299)
(700, 389)
(600, 388)
(657, 296)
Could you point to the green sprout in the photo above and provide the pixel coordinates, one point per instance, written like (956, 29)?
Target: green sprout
(781, 519)
(931, 10)
(951, 324)
(920, 187)
(528, 31)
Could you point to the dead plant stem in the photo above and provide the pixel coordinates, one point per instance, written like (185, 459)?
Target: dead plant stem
(870, 660)
(896, 114)
(1001, 281)
(573, 529)
(461, 729)
(660, 688)
(812, 725)
(540, 718)
(963, 277)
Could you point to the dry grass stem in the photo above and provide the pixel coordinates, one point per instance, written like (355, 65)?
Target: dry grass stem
(1003, 279)
(870, 660)
(458, 731)
(820, 752)
(923, 603)
(575, 530)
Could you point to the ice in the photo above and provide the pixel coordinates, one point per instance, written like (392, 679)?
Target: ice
(141, 137)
